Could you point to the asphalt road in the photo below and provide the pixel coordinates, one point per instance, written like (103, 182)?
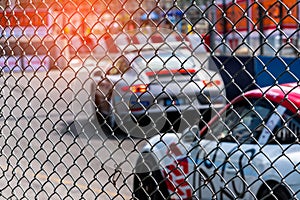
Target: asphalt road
(51, 144)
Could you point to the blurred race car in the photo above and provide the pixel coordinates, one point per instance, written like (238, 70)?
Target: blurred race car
(250, 151)
(154, 88)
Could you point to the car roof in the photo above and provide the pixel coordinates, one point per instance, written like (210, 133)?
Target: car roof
(287, 94)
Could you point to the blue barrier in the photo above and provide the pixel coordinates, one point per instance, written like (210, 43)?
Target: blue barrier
(272, 70)
(241, 74)
(237, 74)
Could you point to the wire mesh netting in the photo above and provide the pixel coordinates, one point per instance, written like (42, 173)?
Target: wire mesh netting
(132, 99)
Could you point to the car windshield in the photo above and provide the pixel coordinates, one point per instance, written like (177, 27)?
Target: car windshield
(256, 122)
(161, 60)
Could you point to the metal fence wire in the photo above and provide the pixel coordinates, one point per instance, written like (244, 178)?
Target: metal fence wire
(132, 99)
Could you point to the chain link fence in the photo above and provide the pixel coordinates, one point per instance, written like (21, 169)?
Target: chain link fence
(132, 99)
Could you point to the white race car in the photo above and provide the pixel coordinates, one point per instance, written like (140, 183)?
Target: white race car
(250, 151)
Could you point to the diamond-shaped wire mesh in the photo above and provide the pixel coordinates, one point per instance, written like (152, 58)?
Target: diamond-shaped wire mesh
(132, 99)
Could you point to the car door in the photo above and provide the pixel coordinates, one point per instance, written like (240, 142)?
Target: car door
(225, 162)
(215, 174)
(212, 155)
(238, 168)
(205, 175)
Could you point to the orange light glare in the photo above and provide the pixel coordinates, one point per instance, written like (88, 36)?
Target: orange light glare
(136, 88)
(212, 83)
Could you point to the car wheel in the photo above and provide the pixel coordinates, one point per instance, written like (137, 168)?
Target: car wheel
(279, 192)
(148, 181)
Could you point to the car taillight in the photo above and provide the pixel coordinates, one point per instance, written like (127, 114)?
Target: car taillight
(136, 88)
(187, 71)
(173, 71)
(211, 83)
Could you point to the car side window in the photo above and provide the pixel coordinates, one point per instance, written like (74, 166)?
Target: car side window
(228, 123)
(258, 121)
(242, 123)
(251, 118)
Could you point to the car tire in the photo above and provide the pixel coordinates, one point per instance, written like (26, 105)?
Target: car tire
(279, 192)
(106, 122)
(109, 126)
(148, 181)
(172, 122)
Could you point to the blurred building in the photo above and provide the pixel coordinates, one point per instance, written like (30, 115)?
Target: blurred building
(278, 21)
